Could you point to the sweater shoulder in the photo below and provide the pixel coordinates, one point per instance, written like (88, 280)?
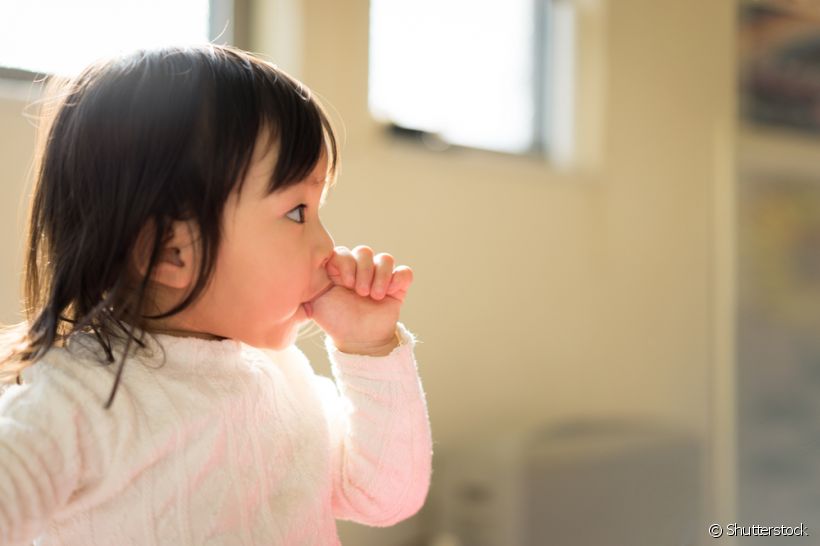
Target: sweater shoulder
(78, 375)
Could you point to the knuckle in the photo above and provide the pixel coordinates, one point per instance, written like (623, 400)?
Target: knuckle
(385, 258)
(363, 250)
(366, 264)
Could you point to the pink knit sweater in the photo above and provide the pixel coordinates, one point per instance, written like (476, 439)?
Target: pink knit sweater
(223, 444)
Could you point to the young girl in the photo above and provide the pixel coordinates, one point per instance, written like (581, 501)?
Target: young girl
(174, 234)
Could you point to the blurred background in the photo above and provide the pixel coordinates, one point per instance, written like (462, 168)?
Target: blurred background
(612, 210)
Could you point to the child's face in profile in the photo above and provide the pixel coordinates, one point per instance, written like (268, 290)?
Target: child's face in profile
(271, 259)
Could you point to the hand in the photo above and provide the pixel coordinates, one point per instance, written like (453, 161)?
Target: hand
(360, 312)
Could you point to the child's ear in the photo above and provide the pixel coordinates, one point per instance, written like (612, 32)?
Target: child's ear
(176, 261)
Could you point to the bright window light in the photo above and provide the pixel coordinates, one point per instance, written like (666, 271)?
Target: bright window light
(462, 69)
(61, 37)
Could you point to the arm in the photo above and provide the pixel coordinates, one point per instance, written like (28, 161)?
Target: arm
(381, 444)
(40, 463)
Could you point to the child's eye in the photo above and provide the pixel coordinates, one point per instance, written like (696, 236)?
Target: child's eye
(301, 208)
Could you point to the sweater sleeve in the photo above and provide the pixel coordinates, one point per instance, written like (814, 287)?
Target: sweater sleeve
(41, 432)
(381, 442)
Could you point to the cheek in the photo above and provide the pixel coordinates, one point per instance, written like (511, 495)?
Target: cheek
(265, 271)
(275, 284)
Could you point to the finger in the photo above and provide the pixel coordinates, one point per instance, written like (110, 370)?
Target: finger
(382, 276)
(400, 282)
(341, 268)
(364, 269)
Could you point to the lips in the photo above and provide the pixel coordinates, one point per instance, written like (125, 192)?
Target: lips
(308, 305)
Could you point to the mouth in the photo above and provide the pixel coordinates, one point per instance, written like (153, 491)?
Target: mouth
(308, 305)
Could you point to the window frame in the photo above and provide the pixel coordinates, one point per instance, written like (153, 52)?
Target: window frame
(543, 69)
(578, 140)
(236, 33)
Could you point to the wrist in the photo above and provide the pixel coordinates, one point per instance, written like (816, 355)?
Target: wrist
(370, 349)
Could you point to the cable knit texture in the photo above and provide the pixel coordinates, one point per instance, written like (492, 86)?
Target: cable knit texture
(222, 444)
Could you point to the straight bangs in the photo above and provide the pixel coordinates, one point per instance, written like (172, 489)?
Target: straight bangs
(258, 95)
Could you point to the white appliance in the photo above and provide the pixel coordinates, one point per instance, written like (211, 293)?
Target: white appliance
(579, 483)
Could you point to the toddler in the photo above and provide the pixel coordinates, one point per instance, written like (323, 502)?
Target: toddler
(154, 395)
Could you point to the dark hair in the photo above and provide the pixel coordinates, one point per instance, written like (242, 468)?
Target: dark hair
(151, 137)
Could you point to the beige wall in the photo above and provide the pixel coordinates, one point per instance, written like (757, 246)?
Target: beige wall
(16, 154)
(566, 293)
(539, 294)
(542, 294)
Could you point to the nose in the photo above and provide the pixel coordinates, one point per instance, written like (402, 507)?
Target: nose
(325, 247)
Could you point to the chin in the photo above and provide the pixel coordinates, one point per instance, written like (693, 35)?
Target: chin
(279, 335)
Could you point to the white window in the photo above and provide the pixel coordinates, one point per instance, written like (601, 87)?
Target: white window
(477, 73)
(61, 37)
